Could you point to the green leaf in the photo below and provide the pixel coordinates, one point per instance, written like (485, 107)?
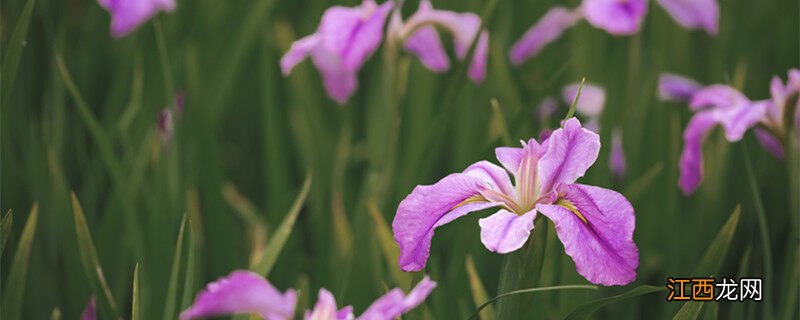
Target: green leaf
(188, 282)
(585, 310)
(91, 264)
(638, 186)
(478, 291)
(15, 288)
(530, 290)
(574, 104)
(172, 287)
(712, 261)
(278, 240)
(388, 247)
(5, 229)
(14, 50)
(135, 302)
(763, 227)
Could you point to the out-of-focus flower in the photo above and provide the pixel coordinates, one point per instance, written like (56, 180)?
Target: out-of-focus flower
(247, 292)
(166, 125)
(127, 15)
(714, 105)
(90, 312)
(420, 37)
(595, 225)
(591, 102)
(672, 87)
(548, 29)
(179, 103)
(546, 108)
(694, 14)
(617, 161)
(345, 39)
(617, 17)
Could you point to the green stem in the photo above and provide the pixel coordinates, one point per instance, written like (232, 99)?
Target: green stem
(522, 268)
(763, 231)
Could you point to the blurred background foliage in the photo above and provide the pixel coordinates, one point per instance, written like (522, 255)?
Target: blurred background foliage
(249, 136)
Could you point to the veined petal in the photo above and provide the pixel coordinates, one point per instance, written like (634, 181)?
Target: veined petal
(242, 292)
(596, 227)
(428, 207)
(617, 17)
(691, 161)
(90, 313)
(571, 151)
(493, 175)
(591, 102)
(548, 29)
(509, 157)
(128, 15)
(504, 232)
(477, 67)
(427, 46)
(673, 87)
(298, 52)
(394, 303)
(326, 309)
(770, 142)
(692, 14)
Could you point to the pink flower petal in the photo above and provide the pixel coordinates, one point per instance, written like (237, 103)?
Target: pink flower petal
(326, 309)
(427, 46)
(477, 67)
(602, 246)
(127, 15)
(242, 292)
(673, 87)
(298, 52)
(504, 231)
(770, 143)
(691, 161)
(90, 313)
(693, 14)
(592, 100)
(548, 29)
(394, 303)
(617, 17)
(571, 151)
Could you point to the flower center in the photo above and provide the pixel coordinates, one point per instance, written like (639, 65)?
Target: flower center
(571, 207)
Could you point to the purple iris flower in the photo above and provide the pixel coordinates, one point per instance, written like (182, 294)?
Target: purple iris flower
(693, 14)
(248, 292)
(345, 39)
(127, 15)
(672, 87)
(595, 225)
(90, 312)
(420, 37)
(713, 105)
(617, 17)
(617, 161)
(770, 136)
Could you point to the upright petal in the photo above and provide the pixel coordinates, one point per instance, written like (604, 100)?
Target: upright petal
(367, 37)
(477, 67)
(394, 303)
(617, 160)
(692, 14)
(548, 29)
(493, 175)
(691, 161)
(673, 87)
(326, 309)
(592, 100)
(428, 207)
(427, 46)
(571, 151)
(596, 227)
(298, 52)
(509, 157)
(770, 142)
(90, 313)
(242, 292)
(504, 231)
(617, 17)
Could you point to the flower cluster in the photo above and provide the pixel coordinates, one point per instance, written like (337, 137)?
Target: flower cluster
(723, 105)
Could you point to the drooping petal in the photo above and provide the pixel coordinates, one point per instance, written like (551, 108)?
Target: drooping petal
(571, 151)
(617, 17)
(242, 292)
(477, 67)
(394, 303)
(591, 102)
(548, 29)
(127, 15)
(673, 87)
(770, 142)
(427, 46)
(617, 160)
(504, 231)
(367, 37)
(90, 313)
(298, 52)
(692, 14)
(340, 82)
(463, 26)
(326, 309)
(691, 161)
(736, 121)
(596, 227)
(428, 207)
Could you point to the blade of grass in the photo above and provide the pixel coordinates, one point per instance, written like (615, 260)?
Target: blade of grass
(574, 104)
(135, 299)
(501, 122)
(15, 288)
(585, 310)
(637, 187)
(14, 50)
(388, 247)
(281, 235)
(5, 229)
(478, 291)
(172, 287)
(188, 282)
(91, 264)
(531, 290)
(763, 230)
